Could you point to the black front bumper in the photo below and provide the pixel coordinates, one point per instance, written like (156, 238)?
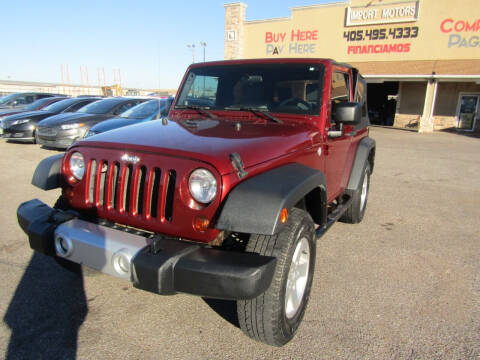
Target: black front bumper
(166, 266)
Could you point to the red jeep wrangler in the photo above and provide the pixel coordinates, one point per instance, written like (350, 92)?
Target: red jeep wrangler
(226, 197)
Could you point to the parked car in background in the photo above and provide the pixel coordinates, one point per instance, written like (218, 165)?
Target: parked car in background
(62, 130)
(23, 126)
(150, 110)
(36, 105)
(20, 100)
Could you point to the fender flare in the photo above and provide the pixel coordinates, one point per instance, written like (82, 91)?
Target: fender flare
(254, 205)
(365, 146)
(47, 173)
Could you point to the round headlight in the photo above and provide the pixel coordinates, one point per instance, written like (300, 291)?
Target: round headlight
(202, 185)
(77, 165)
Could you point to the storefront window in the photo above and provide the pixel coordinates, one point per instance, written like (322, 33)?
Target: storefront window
(467, 112)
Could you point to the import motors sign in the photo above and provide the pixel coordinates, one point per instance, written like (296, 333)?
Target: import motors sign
(382, 14)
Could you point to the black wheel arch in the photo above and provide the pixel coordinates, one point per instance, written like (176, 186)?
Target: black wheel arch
(47, 173)
(365, 153)
(254, 205)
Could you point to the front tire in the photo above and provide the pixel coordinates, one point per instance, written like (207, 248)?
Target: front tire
(274, 316)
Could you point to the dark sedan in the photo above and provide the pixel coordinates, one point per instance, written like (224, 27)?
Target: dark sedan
(36, 105)
(20, 100)
(62, 130)
(23, 126)
(150, 110)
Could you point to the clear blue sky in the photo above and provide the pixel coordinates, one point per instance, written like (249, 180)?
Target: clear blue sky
(146, 40)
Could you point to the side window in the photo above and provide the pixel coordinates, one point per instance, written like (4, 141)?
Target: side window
(77, 106)
(41, 96)
(361, 95)
(125, 107)
(23, 100)
(340, 88)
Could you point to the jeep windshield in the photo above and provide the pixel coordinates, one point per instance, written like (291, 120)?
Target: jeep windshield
(278, 88)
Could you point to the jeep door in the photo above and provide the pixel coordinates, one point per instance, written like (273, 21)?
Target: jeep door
(338, 147)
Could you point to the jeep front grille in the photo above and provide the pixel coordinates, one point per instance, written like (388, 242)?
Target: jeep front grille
(130, 189)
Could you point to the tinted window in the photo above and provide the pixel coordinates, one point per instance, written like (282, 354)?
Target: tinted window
(24, 99)
(58, 106)
(146, 110)
(79, 105)
(288, 88)
(38, 104)
(361, 95)
(6, 99)
(41, 96)
(99, 107)
(126, 106)
(340, 92)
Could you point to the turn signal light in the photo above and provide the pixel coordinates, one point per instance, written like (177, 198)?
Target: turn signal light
(283, 215)
(200, 223)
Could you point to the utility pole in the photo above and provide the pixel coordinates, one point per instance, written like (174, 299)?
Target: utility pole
(68, 80)
(203, 44)
(81, 80)
(63, 78)
(192, 47)
(88, 83)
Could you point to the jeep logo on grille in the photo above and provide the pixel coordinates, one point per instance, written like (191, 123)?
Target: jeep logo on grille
(130, 158)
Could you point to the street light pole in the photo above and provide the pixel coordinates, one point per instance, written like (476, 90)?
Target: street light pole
(192, 47)
(204, 45)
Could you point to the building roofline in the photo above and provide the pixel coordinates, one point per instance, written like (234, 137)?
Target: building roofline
(294, 8)
(235, 3)
(287, 18)
(307, 7)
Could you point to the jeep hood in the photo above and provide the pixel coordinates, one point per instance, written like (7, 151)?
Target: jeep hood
(209, 140)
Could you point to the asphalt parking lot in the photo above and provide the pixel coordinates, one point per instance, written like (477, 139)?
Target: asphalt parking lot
(403, 284)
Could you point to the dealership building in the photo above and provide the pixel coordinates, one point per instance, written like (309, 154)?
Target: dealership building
(421, 58)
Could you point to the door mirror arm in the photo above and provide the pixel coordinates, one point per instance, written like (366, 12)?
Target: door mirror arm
(336, 133)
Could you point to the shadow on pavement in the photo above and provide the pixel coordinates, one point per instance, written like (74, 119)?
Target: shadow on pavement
(46, 311)
(460, 132)
(225, 308)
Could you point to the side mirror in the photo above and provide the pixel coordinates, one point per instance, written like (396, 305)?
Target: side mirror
(348, 113)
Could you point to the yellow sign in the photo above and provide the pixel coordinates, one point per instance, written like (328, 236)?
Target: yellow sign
(382, 14)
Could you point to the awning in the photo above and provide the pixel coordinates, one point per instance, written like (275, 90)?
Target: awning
(441, 69)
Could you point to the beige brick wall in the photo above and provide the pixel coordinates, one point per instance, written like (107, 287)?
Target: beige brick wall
(234, 30)
(407, 121)
(445, 122)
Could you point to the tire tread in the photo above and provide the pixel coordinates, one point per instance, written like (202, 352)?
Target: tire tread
(258, 316)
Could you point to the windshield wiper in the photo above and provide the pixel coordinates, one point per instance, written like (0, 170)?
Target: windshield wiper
(256, 111)
(200, 109)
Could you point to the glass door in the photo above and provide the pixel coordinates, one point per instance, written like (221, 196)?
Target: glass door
(467, 111)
